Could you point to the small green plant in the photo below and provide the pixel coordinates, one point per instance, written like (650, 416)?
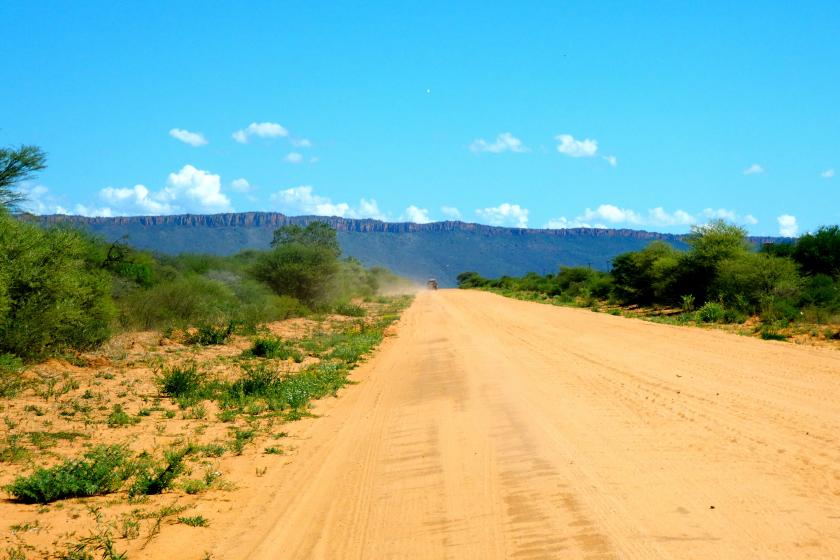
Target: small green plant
(350, 310)
(102, 470)
(273, 450)
(13, 452)
(194, 521)
(119, 418)
(11, 375)
(265, 347)
(194, 486)
(241, 438)
(772, 335)
(687, 303)
(209, 335)
(711, 312)
(153, 477)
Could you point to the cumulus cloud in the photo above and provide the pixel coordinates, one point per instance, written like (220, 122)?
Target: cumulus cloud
(301, 143)
(192, 138)
(187, 190)
(302, 200)
(612, 160)
(610, 215)
(451, 212)
(787, 225)
(416, 215)
(754, 169)
(294, 157)
(505, 142)
(261, 130)
(827, 174)
(504, 214)
(241, 185)
(39, 200)
(576, 148)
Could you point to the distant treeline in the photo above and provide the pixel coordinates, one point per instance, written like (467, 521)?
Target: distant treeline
(721, 276)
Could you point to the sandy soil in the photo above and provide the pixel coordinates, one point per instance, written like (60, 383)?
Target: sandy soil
(495, 428)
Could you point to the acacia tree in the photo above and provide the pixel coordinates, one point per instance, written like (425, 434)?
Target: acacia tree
(18, 165)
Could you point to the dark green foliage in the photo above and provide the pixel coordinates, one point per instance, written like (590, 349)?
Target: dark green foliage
(11, 375)
(350, 310)
(18, 165)
(194, 521)
(155, 477)
(51, 299)
(771, 335)
(314, 234)
(301, 271)
(102, 470)
(274, 348)
(119, 418)
(210, 335)
(819, 253)
(183, 382)
(711, 312)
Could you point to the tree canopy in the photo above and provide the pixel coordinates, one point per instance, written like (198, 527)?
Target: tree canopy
(18, 165)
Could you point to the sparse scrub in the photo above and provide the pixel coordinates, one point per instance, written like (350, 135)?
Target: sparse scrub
(350, 310)
(194, 521)
(155, 477)
(267, 347)
(102, 470)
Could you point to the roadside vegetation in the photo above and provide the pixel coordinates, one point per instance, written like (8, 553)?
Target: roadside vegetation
(131, 383)
(775, 291)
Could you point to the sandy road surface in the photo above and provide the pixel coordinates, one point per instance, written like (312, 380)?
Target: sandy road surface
(494, 428)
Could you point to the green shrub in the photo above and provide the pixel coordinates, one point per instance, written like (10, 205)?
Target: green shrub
(103, 470)
(265, 347)
(119, 418)
(153, 477)
(194, 521)
(181, 381)
(51, 298)
(210, 335)
(711, 312)
(772, 335)
(350, 310)
(11, 375)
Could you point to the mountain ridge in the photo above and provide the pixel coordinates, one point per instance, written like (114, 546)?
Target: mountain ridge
(436, 249)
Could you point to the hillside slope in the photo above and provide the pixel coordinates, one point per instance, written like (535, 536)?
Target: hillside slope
(418, 251)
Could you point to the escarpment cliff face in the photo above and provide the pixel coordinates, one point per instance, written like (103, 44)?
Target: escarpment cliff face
(418, 251)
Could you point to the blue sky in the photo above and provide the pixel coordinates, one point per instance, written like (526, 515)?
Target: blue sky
(648, 115)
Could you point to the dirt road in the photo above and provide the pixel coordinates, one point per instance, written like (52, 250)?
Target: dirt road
(494, 428)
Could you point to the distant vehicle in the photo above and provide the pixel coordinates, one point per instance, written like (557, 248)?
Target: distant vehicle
(431, 283)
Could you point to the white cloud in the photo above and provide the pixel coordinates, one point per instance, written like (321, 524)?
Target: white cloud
(787, 225)
(294, 157)
(39, 200)
(241, 185)
(187, 137)
(576, 148)
(262, 130)
(451, 212)
(134, 200)
(301, 143)
(187, 190)
(612, 160)
(416, 215)
(302, 200)
(505, 142)
(609, 215)
(504, 214)
(827, 174)
(754, 169)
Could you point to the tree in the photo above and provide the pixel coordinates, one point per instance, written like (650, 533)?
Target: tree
(16, 166)
(302, 263)
(315, 234)
(819, 253)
